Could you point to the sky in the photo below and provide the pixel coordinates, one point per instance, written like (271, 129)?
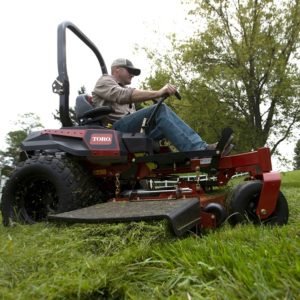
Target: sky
(28, 52)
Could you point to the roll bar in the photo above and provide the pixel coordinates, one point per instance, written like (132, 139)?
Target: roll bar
(61, 84)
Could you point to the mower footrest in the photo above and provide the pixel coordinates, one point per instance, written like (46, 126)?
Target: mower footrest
(183, 214)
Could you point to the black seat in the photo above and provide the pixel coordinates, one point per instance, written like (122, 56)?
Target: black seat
(86, 114)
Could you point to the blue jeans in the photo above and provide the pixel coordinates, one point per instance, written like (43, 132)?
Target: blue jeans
(167, 125)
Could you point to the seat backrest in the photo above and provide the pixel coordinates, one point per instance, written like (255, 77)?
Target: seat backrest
(83, 104)
(87, 114)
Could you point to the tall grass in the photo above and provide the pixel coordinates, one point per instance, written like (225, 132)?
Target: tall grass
(144, 261)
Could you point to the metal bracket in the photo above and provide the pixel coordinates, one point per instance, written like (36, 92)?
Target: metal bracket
(270, 192)
(58, 87)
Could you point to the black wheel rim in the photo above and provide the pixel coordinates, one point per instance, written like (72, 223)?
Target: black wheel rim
(250, 211)
(36, 198)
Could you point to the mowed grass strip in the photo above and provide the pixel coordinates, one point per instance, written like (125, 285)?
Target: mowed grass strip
(144, 261)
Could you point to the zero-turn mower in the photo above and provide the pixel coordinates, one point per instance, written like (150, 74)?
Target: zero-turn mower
(88, 173)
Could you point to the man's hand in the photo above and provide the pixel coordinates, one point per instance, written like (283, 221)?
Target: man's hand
(168, 89)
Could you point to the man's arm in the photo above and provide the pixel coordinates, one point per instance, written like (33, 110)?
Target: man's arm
(141, 95)
(109, 90)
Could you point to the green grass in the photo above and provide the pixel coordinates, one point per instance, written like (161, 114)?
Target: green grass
(144, 261)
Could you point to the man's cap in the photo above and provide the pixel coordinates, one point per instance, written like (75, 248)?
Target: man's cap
(126, 63)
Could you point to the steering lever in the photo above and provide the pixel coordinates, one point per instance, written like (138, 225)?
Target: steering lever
(177, 95)
(147, 122)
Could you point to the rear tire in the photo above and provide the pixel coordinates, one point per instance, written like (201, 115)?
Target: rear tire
(243, 201)
(46, 184)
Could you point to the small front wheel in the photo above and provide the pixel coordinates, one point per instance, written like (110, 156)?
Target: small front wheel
(218, 211)
(243, 200)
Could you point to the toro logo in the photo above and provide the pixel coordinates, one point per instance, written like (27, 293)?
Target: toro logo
(101, 139)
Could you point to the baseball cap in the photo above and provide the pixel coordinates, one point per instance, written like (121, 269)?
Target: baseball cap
(126, 63)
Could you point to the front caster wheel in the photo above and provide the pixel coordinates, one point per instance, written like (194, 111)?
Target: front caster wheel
(218, 211)
(243, 200)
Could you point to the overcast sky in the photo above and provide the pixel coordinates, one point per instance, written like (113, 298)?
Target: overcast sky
(28, 55)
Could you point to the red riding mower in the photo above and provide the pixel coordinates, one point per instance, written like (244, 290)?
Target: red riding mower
(89, 173)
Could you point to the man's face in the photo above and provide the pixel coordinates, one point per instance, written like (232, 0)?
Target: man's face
(124, 75)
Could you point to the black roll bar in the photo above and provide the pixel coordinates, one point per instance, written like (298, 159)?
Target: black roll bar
(61, 84)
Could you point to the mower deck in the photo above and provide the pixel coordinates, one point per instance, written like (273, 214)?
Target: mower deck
(182, 214)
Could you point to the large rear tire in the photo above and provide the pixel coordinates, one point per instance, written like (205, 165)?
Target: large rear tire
(242, 203)
(46, 184)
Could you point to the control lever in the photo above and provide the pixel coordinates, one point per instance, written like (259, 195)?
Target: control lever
(177, 95)
(146, 122)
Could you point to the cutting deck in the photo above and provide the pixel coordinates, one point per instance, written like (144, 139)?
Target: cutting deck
(182, 214)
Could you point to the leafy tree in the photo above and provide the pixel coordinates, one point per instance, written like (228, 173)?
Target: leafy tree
(239, 69)
(82, 90)
(8, 158)
(297, 156)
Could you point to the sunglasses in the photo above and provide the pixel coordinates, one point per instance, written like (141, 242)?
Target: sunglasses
(128, 70)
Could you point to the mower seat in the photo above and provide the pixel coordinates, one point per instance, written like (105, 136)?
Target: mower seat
(86, 114)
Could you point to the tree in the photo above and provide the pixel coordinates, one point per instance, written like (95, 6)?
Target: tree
(8, 158)
(240, 69)
(297, 156)
(82, 90)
